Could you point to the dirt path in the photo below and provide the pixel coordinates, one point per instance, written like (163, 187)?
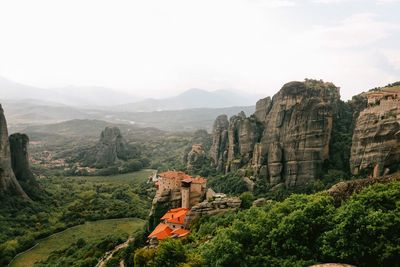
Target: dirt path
(109, 254)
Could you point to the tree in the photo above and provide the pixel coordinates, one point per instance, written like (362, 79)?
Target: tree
(170, 253)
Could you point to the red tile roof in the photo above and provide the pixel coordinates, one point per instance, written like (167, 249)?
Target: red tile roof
(161, 231)
(176, 216)
(199, 180)
(182, 176)
(174, 174)
(180, 232)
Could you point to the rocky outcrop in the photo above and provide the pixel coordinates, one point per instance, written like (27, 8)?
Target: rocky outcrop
(216, 206)
(218, 150)
(8, 183)
(110, 149)
(376, 139)
(169, 199)
(286, 140)
(196, 157)
(343, 190)
(20, 163)
(263, 106)
(243, 134)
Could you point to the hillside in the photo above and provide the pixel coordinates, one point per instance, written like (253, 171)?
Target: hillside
(21, 114)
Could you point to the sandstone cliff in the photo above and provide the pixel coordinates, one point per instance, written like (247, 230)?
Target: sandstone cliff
(286, 140)
(20, 163)
(376, 140)
(8, 183)
(218, 150)
(195, 156)
(110, 149)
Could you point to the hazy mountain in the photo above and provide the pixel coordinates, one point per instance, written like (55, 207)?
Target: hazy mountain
(87, 129)
(70, 95)
(193, 98)
(23, 113)
(104, 98)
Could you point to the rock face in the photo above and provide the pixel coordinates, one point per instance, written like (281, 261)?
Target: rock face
(286, 140)
(111, 148)
(218, 150)
(8, 182)
(216, 206)
(20, 162)
(376, 139)
(196, 157)
(343, 190)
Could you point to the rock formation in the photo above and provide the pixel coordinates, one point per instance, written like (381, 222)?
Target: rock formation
(218, 150)
(110, 149)
(8, 183)
(286, 140)
(196, 157)
(376, 139)
(20, 162)
(217, 205)
(344, 190)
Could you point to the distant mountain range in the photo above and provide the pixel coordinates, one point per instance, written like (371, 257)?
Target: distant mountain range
(70, 95)
(193, 98)
(105, 98)
(21, 114)
(26, 106)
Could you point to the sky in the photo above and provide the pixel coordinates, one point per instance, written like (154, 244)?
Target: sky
(158, 48)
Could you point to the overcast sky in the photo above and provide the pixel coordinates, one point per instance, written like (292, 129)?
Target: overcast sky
(162, 47)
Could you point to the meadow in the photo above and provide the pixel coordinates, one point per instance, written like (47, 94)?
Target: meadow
(91, 232)
(82, 203)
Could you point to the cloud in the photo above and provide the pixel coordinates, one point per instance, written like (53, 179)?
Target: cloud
(332, 1)
(275, 3)
(379, 2)
(393, 58)
(382, 2)
(358, 30)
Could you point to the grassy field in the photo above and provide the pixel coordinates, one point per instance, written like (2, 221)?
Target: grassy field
(127, 178)
(90, 231)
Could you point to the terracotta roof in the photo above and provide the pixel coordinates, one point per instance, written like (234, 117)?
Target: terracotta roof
(180, 232)
(199, 180)
(175, 215)
(161, 231)
(188, 180)
(182, 176)
(174, 174)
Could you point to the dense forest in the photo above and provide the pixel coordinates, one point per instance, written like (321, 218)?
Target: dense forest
(298, 231)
